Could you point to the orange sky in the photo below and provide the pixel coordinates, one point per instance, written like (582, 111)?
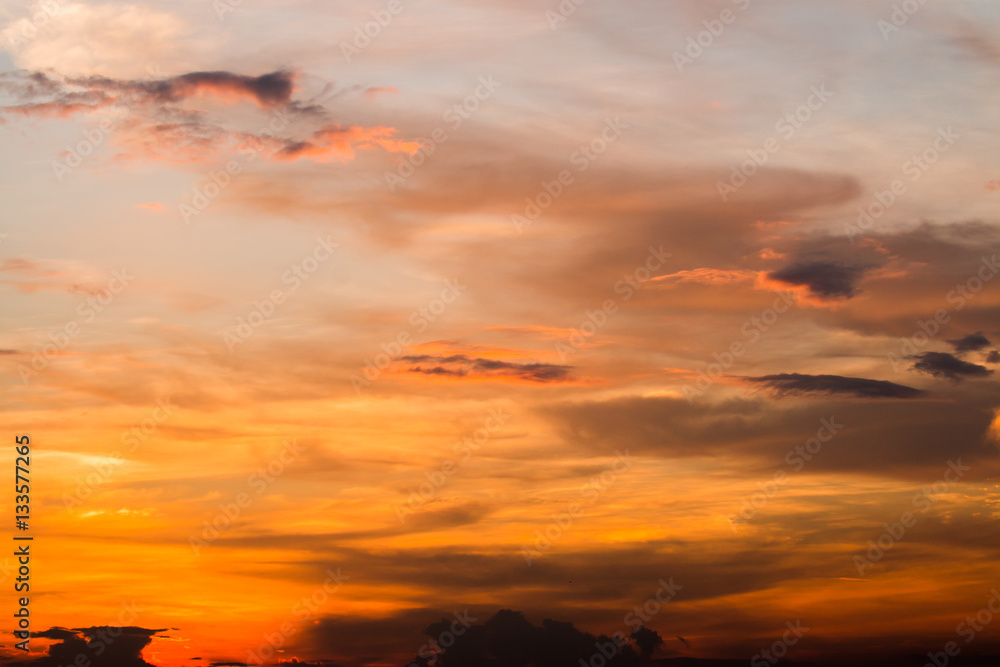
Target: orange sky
(504, 307)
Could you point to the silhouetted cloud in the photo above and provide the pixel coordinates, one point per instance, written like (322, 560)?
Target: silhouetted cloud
(797, 384)
(825, 279)
(101, 646)
(508, 639)
(944, 365)
(459, 365)
(993, 357)
(970, 343)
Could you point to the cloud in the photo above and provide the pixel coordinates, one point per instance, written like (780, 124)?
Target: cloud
(944, 365)
(337, 142)
(970, 343)
(993, 357)
(796, 384)
(83, 38)
(102, 646)
(706, 276)
(506, 638)
(903, 439)
(158, 120)
(824, 279)
(29, 275)
(460, 365)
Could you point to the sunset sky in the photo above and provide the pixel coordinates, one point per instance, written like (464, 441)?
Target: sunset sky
(328, 320)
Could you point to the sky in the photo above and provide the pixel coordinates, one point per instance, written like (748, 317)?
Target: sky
(331, 320)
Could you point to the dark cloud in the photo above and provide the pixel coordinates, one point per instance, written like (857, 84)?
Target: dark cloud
(825, 279)
(993, 357)
(970, 343)
(907, 439)
(460, 365)
(267, 90)
(505, 639)
(158, 126)
(944, 365)
(508, 638)
(796, 384)
(101, 646)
